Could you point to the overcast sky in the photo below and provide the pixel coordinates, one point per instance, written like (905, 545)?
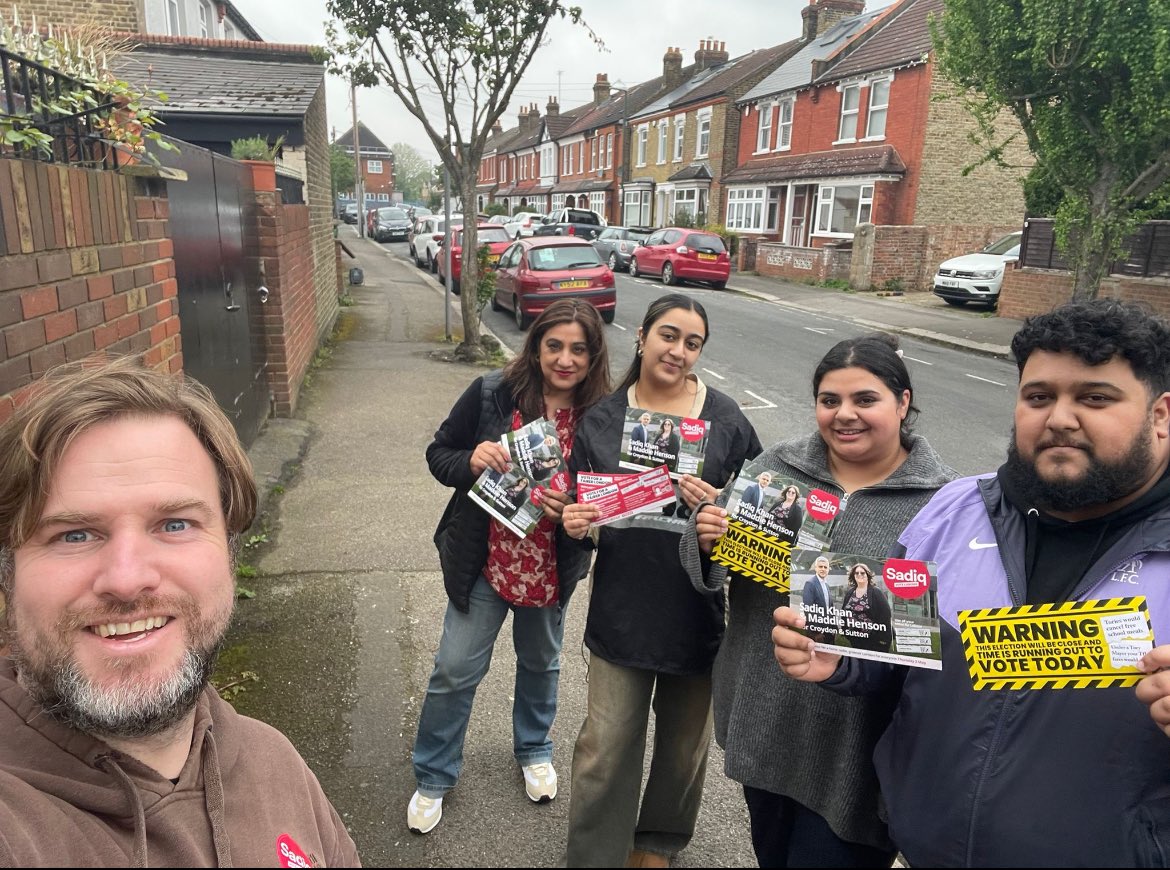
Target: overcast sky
(636, 35)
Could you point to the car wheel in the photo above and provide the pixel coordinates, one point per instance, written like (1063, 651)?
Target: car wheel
(523, 321)
(718, 285)
(958, 303)
(608, 316)
(613, 263)
(432, 264)
(633, 267)
(667, 274)
(417, 260)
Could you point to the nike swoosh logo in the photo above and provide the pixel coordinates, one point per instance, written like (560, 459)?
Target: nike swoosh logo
(975, 545)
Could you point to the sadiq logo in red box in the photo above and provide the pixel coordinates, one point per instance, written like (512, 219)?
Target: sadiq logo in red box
(906, 578)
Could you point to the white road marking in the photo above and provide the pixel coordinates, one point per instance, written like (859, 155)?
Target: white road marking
(715, 374)
(818, 330)
(915, 359)
(764, 403)
(987, 381)
(619, 326)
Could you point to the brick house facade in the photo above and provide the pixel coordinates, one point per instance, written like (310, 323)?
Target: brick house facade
(377, 167)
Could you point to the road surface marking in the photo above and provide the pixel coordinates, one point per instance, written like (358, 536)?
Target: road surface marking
(818, 330)
(915, 359)
(764, 403)
(619, 326)
(987, 381)
(715, 374)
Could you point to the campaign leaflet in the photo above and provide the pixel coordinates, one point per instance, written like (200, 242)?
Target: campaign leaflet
(650, 439)
(859, 606)
(536, 463)
(618, 496)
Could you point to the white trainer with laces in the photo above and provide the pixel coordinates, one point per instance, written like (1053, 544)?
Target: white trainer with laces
(423, 813)
(540, 781)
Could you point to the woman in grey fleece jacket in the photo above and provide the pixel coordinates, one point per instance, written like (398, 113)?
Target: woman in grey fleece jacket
(805, 757)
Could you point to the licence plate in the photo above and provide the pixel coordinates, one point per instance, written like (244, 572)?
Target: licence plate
(708, 257)
(948, 282)
(572, 285)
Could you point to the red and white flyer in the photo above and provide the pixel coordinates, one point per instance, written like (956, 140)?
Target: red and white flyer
(618, 496)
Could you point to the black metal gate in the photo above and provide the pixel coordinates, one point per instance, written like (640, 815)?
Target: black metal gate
(218, 298)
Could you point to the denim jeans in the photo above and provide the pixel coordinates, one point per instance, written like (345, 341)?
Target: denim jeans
(465, 653)
(608, 812)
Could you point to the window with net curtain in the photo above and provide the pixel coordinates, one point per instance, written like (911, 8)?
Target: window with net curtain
(840, 208)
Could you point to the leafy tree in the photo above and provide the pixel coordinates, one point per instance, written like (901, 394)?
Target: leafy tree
(469, 56)
(341, 171)
(495, 208)
(1088, 81)
(412, 172)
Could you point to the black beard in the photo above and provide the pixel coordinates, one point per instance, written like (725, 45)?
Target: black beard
(1101, 483)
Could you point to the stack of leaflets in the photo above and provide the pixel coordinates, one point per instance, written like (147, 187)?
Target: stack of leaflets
(618, 496)
(536, 464)
(650, 439)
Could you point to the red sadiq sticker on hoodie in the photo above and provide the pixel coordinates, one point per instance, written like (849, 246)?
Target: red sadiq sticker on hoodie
(906, 578)
(821, 505)
(289, 853)
(692, 430)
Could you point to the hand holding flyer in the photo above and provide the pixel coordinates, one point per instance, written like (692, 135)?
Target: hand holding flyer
(651, 438)
(618, 496)
(513, 497)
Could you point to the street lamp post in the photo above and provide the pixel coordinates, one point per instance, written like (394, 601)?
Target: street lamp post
(622, 177)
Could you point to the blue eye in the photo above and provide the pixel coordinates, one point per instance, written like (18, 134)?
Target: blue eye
(75, 536)
(175, 525)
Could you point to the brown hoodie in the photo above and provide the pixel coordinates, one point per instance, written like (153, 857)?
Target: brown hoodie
(244, 798)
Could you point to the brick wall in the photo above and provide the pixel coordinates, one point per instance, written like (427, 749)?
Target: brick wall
(802, 264)
(319, 199)
(911, 254)
(1028, 291)
(85, 265)
(125, 16)
(988, 194)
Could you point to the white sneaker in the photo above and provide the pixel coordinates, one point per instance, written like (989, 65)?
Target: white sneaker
(423, 813)
(540, 781)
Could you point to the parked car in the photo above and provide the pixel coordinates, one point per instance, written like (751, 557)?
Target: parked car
(571, 222)
(391, 224)
(428, 232)
(680, 254)
(538, 271)
(617, 244)
(522, 224)
(414, 212)
(492, 235)
(977, 277)
(350, 213)
(499, 220)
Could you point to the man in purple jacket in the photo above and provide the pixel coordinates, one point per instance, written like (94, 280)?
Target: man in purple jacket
(1039, 773)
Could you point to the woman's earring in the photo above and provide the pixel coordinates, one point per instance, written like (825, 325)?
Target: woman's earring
(639, 350)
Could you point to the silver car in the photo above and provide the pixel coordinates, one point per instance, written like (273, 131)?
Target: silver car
(616, 245)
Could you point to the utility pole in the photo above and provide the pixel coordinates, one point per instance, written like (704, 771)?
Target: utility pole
(359, 182)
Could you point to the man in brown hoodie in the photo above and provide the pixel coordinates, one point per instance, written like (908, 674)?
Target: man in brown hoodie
(123, 492)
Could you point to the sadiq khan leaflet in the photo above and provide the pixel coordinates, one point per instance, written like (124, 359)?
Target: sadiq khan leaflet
(536, 464)
(858, 606)
(650, 439)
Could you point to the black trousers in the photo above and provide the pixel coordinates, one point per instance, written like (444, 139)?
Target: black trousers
(788, 834)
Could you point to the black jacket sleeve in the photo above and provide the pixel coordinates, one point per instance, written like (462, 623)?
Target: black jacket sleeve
(449, 455)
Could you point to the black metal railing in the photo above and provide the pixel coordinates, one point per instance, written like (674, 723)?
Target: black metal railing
(29, 93)
(1146, 252)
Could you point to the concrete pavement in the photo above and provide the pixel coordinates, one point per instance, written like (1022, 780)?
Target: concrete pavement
(349, 599)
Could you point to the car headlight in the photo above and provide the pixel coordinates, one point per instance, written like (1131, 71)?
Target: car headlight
(986, 273)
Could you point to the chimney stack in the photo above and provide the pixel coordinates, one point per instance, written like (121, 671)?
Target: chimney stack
(820, 15)
(711, 53)
(497, 128)
(601, 89)
(553, 108)
(672, 68)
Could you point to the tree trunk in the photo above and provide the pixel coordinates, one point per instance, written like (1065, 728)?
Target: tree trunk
(1094, 247)
(470, 349)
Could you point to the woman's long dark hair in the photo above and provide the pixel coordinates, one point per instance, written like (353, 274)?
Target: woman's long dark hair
(657, 309)
(523, 375)
(877, 353)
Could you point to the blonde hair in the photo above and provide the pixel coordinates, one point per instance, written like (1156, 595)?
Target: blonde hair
(72, 398)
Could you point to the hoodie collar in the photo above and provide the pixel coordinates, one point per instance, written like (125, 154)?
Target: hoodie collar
(922, 469)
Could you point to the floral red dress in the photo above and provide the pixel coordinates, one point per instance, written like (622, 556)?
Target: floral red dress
(523, 571)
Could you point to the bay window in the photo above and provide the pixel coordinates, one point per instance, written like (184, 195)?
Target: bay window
(745, 209)
(840, 208)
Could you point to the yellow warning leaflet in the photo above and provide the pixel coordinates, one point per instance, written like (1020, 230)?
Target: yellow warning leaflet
(1075, 645)
(756, 554)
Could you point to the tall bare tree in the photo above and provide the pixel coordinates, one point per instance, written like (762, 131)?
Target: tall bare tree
(468, 55)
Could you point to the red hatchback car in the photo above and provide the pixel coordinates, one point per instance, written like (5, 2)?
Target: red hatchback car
(539, 270)
(492, 235)
(680, 254)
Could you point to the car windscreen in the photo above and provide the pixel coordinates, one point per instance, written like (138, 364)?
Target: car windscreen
(391, 214)
(576, 216)
(489, 234)
(420, 211)
(635, 236)
(1003, 245)
(567, 258)
(705, 242)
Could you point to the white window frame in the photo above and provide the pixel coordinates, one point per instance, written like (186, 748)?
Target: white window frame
(784, 124)
(597, 201)
(175, 17)
(680, 130)
(593, 154)
(566, 160)
(764, 127)
(206, 19)
(662, 125)
(383, 197)
(373, 167)
(703, 139)
(827, 206)
(686, 199)
(640, 201)
(229, 30)
(880, 110)
(609, 150)
(580, 156)
(745, 209)
(558, 201)
(849, 116)
(643, 137)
